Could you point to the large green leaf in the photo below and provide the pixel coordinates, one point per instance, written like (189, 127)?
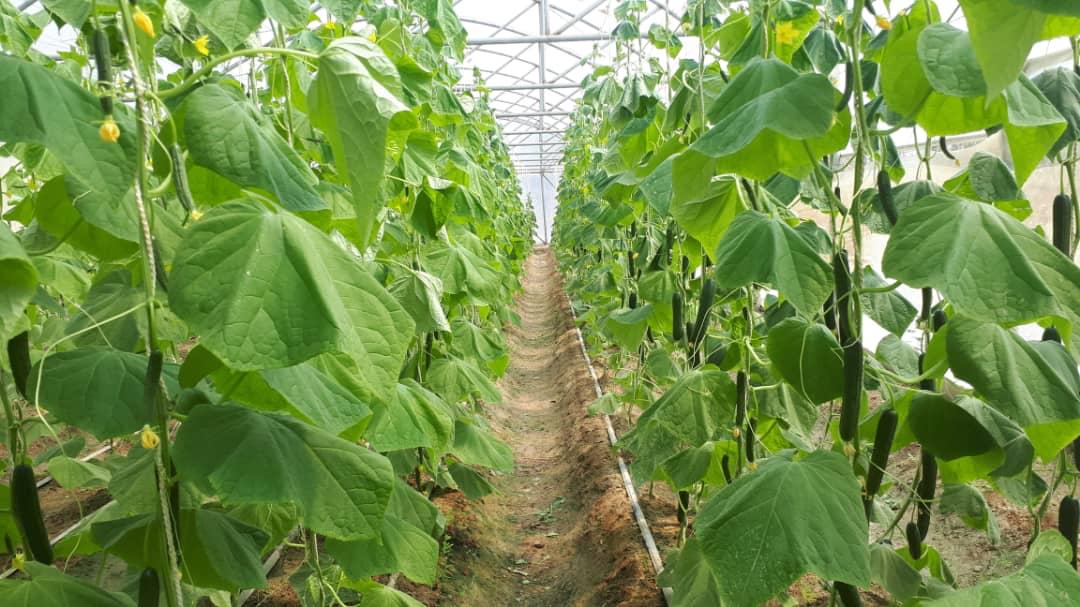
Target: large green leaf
(808, 357)
(268, 290)
(988, 265)
(693, 580)
(627, 326)
(891, 310)
(759, 249)
(225, 134)
(1031, 123)
(697, 408)
(232, 21)
(946, 429)
(462, 272)
(705, 214)
(477, 446)
(1061, 86)
(416, 417)
(771, 118)
(20, 280)
(340, 488)
(420, 294)
(401, 546)
(356, 101)
(97, 389)
(1034, 384)
(993, 21)
(50, 587)
(1048, 580)
(788, 518)
(43, 107)
(457, 379)
(206, 539)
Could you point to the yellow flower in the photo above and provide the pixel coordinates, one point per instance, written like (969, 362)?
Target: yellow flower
(19, 562)
(786, 33)
(883, 22)
(202, 45)
(373, 36)
(149, 438)
(143, 22)
(839, 19)
(109, 131)
(196, 214)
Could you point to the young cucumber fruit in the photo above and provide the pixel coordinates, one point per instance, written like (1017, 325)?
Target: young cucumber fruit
(18, 349)
(149, 588)
(1062, 225)
(914, 540)
(879, 457)
(27, 510)
(1069, 522)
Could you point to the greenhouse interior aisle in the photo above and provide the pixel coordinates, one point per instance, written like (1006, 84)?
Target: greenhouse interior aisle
(559, 529)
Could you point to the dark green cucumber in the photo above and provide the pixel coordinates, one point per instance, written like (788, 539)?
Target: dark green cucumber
(725, 467)
(149, 588)
(152, 381)
(879, 457)
(103, 60)
(630, 262)
(851, 401)
(1051, 334)
(925, 491)
(631, 300)
(848, 594)
(927, 384)
(1062, 226)
(945, 148)
(742, 392)
(180, 179)
(829, 312)
(677, 316)
(27, 510)
(885, 195)
(1069, 522)
(849, 83)
(18, 349)
(751, 438)
(938, 320)
(842, 297)
(914, 540)
(682, 507)
(705, 302)
(689, 330)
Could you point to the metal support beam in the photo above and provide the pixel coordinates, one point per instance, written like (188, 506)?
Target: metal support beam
(550, 39)
(510, 133)
(524, 87)
(531, 114)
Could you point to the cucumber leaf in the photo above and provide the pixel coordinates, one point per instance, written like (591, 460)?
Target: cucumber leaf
(808, 357)
(20, 281)
(50, 587)
(1048, 580)
(340, 488)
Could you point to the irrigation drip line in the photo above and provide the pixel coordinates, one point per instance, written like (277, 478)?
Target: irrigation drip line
(628, 483)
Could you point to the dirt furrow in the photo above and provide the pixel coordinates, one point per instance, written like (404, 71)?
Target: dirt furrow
(559, 531)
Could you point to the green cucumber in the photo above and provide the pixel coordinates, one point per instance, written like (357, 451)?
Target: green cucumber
(885, 196)
(1062, 226)
(103, 60)
(725, 466)
(708, 296)
(682, 507)
(1051, 334)
(1069, 522)
(925, 491)
(842, 298)
(914, 540)
(180, 179)
(849, 82)
(152, 381)
(751, 434)
(742, 391)
(945, 148)
(848, 594)
(677, 317)
(631, 300)
(149, 588)
(27, 510)
(18, 349)
(938, 320)
(851, 401)
(829, 313)
(879, 457)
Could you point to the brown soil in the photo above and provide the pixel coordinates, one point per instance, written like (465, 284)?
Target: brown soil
(559, 531)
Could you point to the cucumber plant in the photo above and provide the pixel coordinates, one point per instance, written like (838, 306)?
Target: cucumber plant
(270, 253)
(769, 165)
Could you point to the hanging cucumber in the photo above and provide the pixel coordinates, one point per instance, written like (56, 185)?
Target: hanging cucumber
(1069, 522)
(851, 401)
(945, 148)
(18, 349)
(879, 457)
(631, 301)
(848, 594)
(914, 540)
(828, 311)
(842, 298)
(151, 384)
(103, 61)
(180, 179)
(849, 84)
(725, 467)
(1062, 226)
(925, 491)
(742, 389)
(27, 510)
(938, 320)
(705, 302)
(149, 588)
(1051, 334)
(682, 507)
(677, 317)
(885, 195)
(751, 438)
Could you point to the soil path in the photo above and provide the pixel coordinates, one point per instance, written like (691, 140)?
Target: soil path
(559, 530)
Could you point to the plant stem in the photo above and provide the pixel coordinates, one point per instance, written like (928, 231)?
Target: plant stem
(205, 70)
(14, 444)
